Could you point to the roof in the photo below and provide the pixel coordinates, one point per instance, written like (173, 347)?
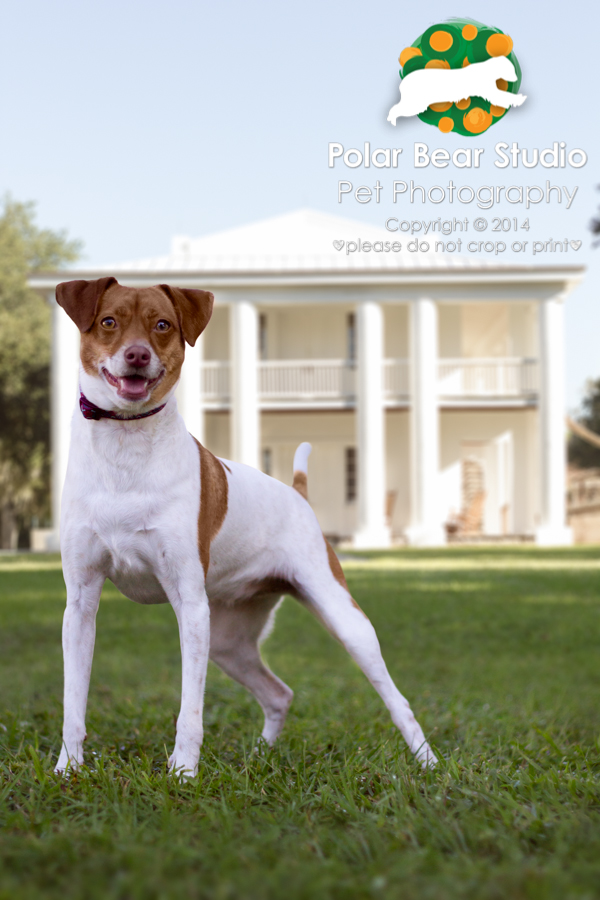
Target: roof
(299, 241)
(299, 249)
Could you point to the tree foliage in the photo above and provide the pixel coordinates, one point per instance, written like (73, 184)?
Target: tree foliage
(25, 364)
(595, 225)
(581, 453)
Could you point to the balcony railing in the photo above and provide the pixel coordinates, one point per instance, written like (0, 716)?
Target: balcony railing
(396, 380)
(306, 380)
(480, 378)
(332, 382)
(215, 382)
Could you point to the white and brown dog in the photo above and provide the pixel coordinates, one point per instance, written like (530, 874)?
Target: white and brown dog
(146, 506)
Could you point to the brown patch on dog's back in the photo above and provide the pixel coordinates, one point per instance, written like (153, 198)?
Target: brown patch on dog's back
(300, 484)
(338, 572)
(213, 502)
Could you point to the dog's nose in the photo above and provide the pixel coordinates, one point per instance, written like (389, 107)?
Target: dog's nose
(137, 356)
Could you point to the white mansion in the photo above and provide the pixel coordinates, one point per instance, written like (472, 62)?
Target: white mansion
(430, 386)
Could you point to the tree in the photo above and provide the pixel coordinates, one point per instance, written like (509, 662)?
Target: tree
(581, 452)
(25, 367)
(595, 225)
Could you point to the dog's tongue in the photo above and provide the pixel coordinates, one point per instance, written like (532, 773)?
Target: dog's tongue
(133, 387)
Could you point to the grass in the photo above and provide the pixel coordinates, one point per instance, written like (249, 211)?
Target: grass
(498, 652)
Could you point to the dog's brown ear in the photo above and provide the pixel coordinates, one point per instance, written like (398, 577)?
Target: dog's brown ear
(193, 308)
(80, 299)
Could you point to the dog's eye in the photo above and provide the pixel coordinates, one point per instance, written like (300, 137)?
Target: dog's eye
(109, 323)
(162, 325)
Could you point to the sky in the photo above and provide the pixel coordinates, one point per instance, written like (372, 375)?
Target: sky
(129, 122)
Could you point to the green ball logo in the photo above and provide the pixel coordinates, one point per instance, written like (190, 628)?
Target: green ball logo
(453, 45)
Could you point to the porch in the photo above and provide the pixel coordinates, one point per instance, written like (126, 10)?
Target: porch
(331, 383)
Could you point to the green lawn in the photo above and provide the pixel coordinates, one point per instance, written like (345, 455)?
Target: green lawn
(498, 651)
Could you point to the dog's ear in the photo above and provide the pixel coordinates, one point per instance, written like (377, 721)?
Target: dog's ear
(193, 308)
(80, 299)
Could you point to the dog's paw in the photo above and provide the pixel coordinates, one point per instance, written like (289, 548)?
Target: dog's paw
(67, 765)
(426, 756)
(263, 746)
(183, 773)
(183, 768)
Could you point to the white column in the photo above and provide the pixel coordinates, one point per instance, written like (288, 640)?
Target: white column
(189, 390)
(426, 527)
(64, 383)
(243, 320)
(372, 530)
(552, 530)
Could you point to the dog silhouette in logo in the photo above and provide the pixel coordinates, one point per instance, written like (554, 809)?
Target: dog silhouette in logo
(426, 86)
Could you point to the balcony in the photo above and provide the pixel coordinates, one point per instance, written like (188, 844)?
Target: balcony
(216, 393)
(331, 383)
(503, 378)
(321, 382)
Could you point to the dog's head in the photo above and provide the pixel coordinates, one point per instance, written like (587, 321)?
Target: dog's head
(133, 340)
(502, 68)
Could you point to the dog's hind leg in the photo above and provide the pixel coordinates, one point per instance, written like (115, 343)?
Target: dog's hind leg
(325, 594)
(235, 634)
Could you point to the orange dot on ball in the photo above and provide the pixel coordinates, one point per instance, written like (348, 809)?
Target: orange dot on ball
(440, 41)
(446, 124)
(440, 107)
(466, 62)
(469, 32)
(407, 54)
(497, 110)
(464, 104)
(501, 84)
(437, 64)
(477, 120)
(499, 45)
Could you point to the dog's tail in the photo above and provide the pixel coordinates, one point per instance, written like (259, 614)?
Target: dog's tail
(300, 482)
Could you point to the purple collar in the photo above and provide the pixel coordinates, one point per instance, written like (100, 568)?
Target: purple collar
(91, 411)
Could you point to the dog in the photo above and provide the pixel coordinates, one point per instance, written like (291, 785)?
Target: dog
(423, 87)
(148, 507)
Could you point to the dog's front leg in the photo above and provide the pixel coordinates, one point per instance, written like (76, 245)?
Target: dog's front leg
(78, 636)
(504, 98)
(191, 608)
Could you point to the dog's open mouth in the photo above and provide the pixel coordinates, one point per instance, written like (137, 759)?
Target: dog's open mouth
(131, 387)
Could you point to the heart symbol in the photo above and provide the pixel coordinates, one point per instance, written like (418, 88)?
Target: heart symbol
(575, 245)
(339, 244)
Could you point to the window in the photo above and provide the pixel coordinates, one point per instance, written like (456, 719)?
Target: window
(267, 460)
(351, 336)
(351, 474)
(262, 336)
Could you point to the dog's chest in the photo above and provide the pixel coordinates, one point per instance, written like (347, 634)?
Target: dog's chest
(132, 532)
(138, 502)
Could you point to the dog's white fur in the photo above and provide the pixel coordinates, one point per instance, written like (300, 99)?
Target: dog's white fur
(130, 514)
(426, 86)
